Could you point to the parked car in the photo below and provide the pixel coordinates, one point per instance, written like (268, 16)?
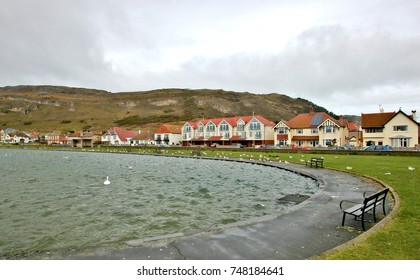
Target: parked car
(345, 147)
(377, 148)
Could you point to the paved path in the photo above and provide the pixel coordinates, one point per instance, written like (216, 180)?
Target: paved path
(301, 232)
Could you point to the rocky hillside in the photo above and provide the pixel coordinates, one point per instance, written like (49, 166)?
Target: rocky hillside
(64, 108)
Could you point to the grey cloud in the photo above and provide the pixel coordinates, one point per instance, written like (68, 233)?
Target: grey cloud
(323, 61)
(49, 41)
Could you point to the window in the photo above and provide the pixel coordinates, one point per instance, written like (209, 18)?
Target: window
(327, 142)
(374, 130)
(400, 128)
(200, 127)
(400, 142)
(224, 127)
(329, 129)
(210, 128)
(314, 143)
(241, 126)
(258, 135)
(314, 130)
(227, 135)
(283, 130)
(283, 142)
(187, 129)
(254, 125)
(299, 131)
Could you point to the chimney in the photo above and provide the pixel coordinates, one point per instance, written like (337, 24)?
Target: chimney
(414, 115)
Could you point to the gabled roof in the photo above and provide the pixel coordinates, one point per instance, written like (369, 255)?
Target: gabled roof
(381, 119)
(122, 133)
(169, 129)
(377, 119)
(233, 121)
(312, 120)
(353, 127)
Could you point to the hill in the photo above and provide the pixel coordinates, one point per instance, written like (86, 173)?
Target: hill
(65, 108)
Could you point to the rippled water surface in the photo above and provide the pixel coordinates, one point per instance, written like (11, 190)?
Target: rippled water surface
(53, 200)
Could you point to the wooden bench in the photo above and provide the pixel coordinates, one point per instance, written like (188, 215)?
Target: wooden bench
(317, 162)
(369, 204)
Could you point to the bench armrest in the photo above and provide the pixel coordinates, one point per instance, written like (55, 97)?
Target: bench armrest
(367, 193)
(347, 202)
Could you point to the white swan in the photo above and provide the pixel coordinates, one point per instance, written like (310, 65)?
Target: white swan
(107, 182)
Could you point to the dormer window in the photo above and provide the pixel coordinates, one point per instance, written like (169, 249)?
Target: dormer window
(210, 128)
(254, 125)
(224, 127)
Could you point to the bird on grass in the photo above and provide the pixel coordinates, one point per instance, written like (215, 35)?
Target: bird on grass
(411, 168)
(107, 182)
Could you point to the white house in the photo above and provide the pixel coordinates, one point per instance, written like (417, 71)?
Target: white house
(247, 131)
(168, 134)
(118, 136)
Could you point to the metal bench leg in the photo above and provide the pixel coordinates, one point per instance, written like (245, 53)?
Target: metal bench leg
(363, 221)
(344, 218)
(374, 214)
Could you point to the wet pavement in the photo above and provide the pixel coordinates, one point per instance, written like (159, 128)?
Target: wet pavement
(303, 231)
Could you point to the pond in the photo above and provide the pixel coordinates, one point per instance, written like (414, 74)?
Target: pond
(57, 200)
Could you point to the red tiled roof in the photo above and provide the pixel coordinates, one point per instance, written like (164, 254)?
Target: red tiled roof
(201, 138)
(237, 138)
(169, 128)
(215, 138)
(282, 136)
(353, 127)
(376, 119)
(124, 134)
(306, 120)
(294, 138)
(233, 121)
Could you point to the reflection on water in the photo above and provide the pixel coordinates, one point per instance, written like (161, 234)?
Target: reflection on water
(57, 200)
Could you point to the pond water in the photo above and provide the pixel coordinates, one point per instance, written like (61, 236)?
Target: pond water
(57, 200)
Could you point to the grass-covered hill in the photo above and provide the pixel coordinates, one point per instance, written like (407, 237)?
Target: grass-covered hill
(64, 108)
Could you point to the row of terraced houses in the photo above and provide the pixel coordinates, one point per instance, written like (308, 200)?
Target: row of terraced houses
(312, 129)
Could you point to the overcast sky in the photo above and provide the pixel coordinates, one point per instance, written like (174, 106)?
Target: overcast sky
(349, 56)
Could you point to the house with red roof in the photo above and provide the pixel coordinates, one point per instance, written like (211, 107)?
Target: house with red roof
(248, 131)
(312, 129)
(145, 137)
(168, 134)
(118, 136)
(395, 129)
(355, 135)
